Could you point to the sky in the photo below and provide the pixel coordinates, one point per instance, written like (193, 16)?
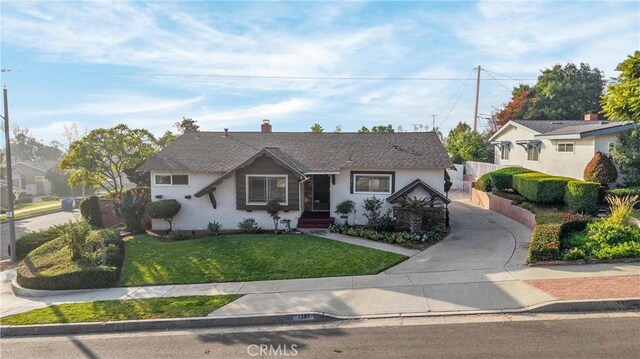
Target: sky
(232, 64)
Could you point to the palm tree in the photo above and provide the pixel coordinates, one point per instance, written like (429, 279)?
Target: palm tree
(416, 206)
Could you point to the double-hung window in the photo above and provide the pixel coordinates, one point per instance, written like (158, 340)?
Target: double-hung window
(504, 153)
(533, 153)
(565, 147)
(265, 188)
(171, 180)
(372, 183)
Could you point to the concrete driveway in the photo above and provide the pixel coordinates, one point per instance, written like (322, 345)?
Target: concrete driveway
(24, 226)
(479, 240)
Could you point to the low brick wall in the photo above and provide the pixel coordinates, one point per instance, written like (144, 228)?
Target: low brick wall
(109, 218)
(503, 206)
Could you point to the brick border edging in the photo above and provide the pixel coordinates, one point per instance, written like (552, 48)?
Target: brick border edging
(583, 261)
(288, 319)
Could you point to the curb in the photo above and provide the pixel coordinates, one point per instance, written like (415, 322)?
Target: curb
(20, 291)
(291, 319)
(33, 216)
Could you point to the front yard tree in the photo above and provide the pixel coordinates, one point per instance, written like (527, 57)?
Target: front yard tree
(100, 158)
(415, 206)
(621, 101)
(464, 144)
(187, 125)
(274, 208)
(626, 153)
(600, 169)
(164, 209)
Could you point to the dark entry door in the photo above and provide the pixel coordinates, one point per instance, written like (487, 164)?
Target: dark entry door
(321, 193)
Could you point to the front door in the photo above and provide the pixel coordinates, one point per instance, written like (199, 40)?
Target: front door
(321, 193)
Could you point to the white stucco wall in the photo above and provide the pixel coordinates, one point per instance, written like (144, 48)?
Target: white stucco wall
(550, 160)
(196, 213)
(341, 190)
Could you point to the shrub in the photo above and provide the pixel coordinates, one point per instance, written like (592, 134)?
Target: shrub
(164, 209)
(573, 254)
(375, 220)
(249, 225)
(178, 236)
(604, 232)
(545, 243)
(33, 240)
(274, 208)
(75, 236)
(513, 197)
(503, 178)
(627, 191)
(24, 198)
(90, 211)
(600, 169)
(131, 208)
(214, 227)
(105, 237)
(3, 210)
(50, 267)
(539, 187)
(345, 207)
(582, 196)
(447, 182)
(483, 183)
(621, 208)
(50, 198)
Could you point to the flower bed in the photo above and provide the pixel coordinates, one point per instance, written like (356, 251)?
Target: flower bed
(403, 238)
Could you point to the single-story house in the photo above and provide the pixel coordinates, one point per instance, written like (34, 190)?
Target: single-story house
(30, 176)
(561, 148)
(227, 176)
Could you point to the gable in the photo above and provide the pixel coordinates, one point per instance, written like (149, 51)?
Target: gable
(265, 165)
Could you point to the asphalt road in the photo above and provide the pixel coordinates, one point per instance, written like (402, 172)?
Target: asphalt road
(32, 224)
(617, 337)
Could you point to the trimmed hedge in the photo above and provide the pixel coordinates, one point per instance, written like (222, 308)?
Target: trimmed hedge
(50, 267)
(90, 211)
(545, 243)
(33, 240)
(582, 196)
(503, 178)
(483, 183)
(540, 187)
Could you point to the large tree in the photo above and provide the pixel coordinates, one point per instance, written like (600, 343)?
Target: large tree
(101, 158)
(464, 144)
(25, 147)
(621, 101)
(316, 128)
(187, 125)
(561, 93)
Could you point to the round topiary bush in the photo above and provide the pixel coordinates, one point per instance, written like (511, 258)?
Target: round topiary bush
(90, 211)
(164, 209)
(600, 169)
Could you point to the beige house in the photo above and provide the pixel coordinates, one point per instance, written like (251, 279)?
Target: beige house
(560, 148)
(30, 176)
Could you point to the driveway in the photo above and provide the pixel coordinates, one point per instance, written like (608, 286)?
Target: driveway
(32, 224)
(479, 240)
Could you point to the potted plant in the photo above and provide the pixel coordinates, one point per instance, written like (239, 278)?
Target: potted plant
(344, 208)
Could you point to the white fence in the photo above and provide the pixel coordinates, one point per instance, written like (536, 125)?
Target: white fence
(477, 169)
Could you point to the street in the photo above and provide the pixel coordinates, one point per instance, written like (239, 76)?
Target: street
(615, 335)
(32, 224)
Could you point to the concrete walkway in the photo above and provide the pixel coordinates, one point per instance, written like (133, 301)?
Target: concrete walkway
(479, 267)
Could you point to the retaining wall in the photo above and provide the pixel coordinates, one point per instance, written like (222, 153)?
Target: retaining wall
(503, 206)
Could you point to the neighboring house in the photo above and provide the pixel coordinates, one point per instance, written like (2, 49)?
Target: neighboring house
(30, 176)
(561, 148)
(228, 176)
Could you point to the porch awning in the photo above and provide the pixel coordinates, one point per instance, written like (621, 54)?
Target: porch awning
(529, 143)
(417, 183)
(501, 144)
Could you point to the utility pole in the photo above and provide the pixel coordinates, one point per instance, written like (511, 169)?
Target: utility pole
(475, 113)
(10, 217)
(433, 123)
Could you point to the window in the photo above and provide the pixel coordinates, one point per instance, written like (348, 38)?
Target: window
(175, 180)
(533, 153)
(262, 189)
(372, 183)
(504, 152)
(565, 147)
(40, 178)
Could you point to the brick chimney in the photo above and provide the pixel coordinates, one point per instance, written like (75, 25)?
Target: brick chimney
(265, 127)
(591, 116)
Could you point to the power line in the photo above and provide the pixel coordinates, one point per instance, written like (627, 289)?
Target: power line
(446, 105)
(455, 103)
(508, 77)
(274, 77)
(498, 81)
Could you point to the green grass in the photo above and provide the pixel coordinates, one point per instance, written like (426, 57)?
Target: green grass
(231, 258)
(114, 310)
(29, 209)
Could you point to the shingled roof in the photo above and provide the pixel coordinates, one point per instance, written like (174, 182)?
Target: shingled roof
(211, 152)
(547, 126)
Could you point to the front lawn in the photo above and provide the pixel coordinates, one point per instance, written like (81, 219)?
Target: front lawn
(232, 258)
(115, 310)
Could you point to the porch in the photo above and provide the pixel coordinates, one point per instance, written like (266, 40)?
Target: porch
(315, 198)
